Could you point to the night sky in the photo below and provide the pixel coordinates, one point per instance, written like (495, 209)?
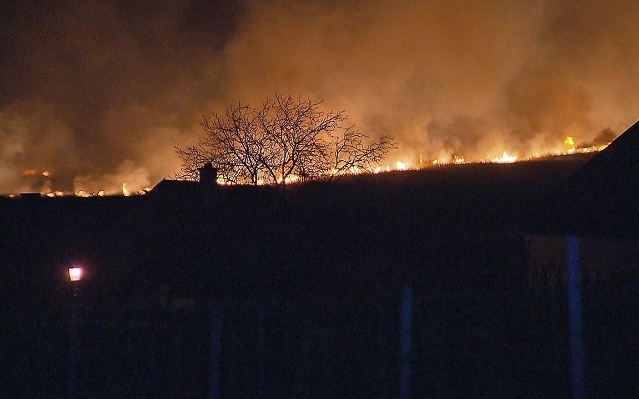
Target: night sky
(99, 93)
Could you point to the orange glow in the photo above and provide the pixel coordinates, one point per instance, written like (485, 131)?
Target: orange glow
(505, 158)
(569, 144)
(415, 162)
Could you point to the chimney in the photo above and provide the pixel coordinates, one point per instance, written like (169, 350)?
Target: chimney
(208, 175)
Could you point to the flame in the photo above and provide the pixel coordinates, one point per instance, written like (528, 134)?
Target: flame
(289, 179)
(569, 147)
(34, 172)
(569, 144)
(505, 158)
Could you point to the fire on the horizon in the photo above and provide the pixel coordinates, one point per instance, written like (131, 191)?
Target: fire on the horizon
(126, 189)
(487, 81)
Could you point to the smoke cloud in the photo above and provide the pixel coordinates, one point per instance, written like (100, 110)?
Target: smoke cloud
(98, 95)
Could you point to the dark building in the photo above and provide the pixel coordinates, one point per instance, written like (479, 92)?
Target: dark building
(188, 188)
(597, 210)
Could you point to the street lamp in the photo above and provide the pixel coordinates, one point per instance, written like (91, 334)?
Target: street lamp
(75, 275)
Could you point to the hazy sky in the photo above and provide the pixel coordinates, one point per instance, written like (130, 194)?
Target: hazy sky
(99, 94)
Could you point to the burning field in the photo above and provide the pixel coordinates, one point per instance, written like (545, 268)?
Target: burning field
(95, 98)
(44, 182)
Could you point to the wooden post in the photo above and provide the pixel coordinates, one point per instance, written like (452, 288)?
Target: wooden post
(574, 309)
(405, 342)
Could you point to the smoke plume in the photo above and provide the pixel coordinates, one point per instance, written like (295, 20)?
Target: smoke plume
(99, 94)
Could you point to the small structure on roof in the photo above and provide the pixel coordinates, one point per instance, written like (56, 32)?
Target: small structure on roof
(207, 182)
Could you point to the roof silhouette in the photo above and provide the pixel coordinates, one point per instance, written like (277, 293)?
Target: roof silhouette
(206, 183)
(600, 198)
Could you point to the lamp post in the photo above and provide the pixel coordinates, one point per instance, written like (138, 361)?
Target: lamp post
(75, 275)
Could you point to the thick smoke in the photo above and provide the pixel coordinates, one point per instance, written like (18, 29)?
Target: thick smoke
(98, 94)
(91, 90)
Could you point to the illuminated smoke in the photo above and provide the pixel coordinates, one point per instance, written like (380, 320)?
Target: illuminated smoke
(100, 93)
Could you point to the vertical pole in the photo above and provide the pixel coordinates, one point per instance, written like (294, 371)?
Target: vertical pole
(574, 308)
(216, 354)
(405, 342)
(73, 346)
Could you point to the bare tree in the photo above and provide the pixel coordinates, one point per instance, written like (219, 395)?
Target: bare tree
(350, 154)
(234, 145)
(283, 139)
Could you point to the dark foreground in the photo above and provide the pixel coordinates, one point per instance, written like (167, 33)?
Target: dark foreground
(297, 292)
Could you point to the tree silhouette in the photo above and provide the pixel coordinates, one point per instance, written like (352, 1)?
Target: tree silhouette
(285, 139)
